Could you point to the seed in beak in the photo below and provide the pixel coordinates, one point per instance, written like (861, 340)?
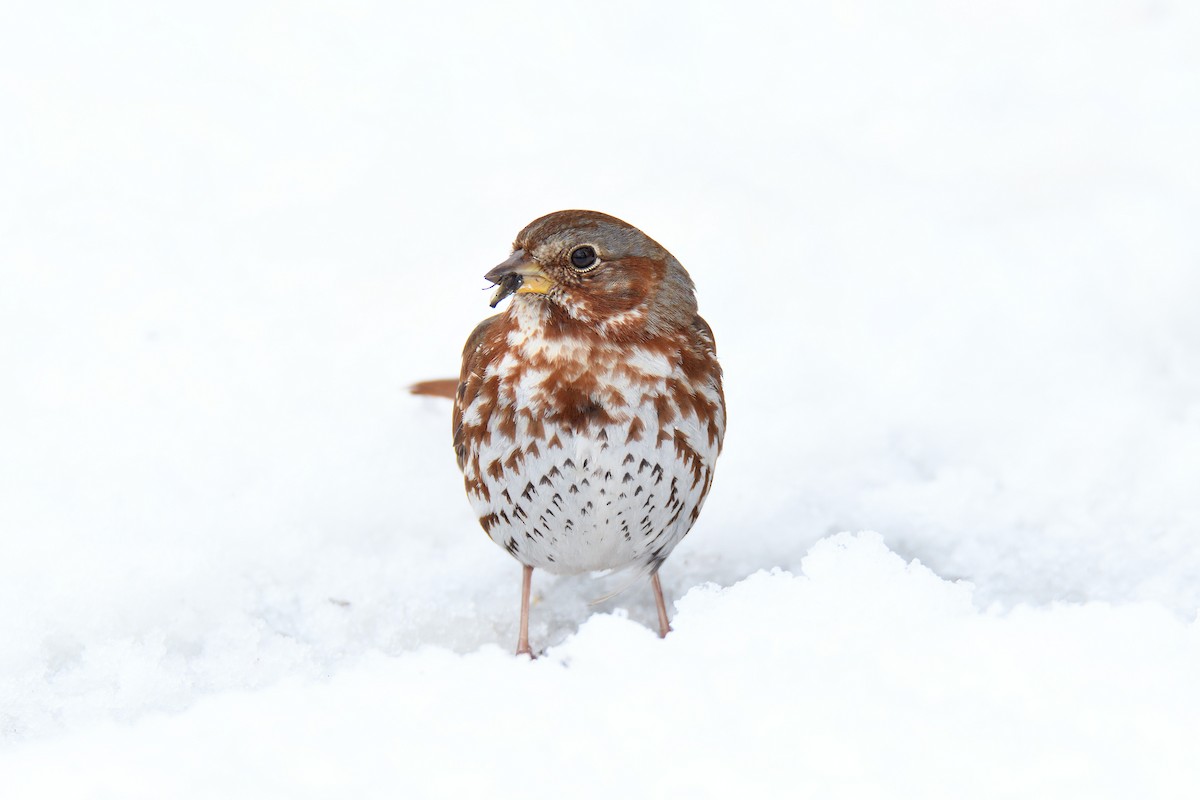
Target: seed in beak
(508, 284)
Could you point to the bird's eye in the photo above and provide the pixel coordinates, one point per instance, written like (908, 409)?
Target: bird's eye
(584, 258)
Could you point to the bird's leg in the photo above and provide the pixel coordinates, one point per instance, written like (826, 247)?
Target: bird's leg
(664, 627)
(523, 637)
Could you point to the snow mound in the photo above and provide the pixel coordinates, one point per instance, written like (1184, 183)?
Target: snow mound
(860, 676)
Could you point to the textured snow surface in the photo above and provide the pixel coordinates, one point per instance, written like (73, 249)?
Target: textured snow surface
(858, 676)
(950, 255)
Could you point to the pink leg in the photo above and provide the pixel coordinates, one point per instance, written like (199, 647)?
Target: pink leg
(664, 627)
(523, 637)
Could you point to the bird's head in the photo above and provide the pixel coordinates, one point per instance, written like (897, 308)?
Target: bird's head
(599, 271)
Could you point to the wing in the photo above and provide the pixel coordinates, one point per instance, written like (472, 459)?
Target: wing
(705, 373)
(470, 380)
(705, 335)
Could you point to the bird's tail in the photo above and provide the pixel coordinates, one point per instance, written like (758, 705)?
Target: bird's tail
(443, 387)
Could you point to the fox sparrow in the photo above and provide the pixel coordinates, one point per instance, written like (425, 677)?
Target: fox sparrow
(588, 415)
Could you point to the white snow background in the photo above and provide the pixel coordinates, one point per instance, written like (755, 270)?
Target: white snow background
(951, 255)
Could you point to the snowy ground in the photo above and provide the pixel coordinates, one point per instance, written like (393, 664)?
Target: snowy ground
(950, 254)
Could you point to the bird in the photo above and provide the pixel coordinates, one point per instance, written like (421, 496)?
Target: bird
(590, 412)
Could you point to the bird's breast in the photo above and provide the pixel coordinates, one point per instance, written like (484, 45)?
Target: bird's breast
(587, 458)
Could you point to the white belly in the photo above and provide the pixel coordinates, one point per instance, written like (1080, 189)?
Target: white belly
(594, 501)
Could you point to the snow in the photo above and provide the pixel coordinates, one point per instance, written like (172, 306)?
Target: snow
(949, 255)
(926, 696)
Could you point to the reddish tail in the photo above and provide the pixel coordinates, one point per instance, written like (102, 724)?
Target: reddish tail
(445, 387)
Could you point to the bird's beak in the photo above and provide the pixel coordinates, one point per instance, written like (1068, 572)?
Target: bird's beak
(519, 274)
